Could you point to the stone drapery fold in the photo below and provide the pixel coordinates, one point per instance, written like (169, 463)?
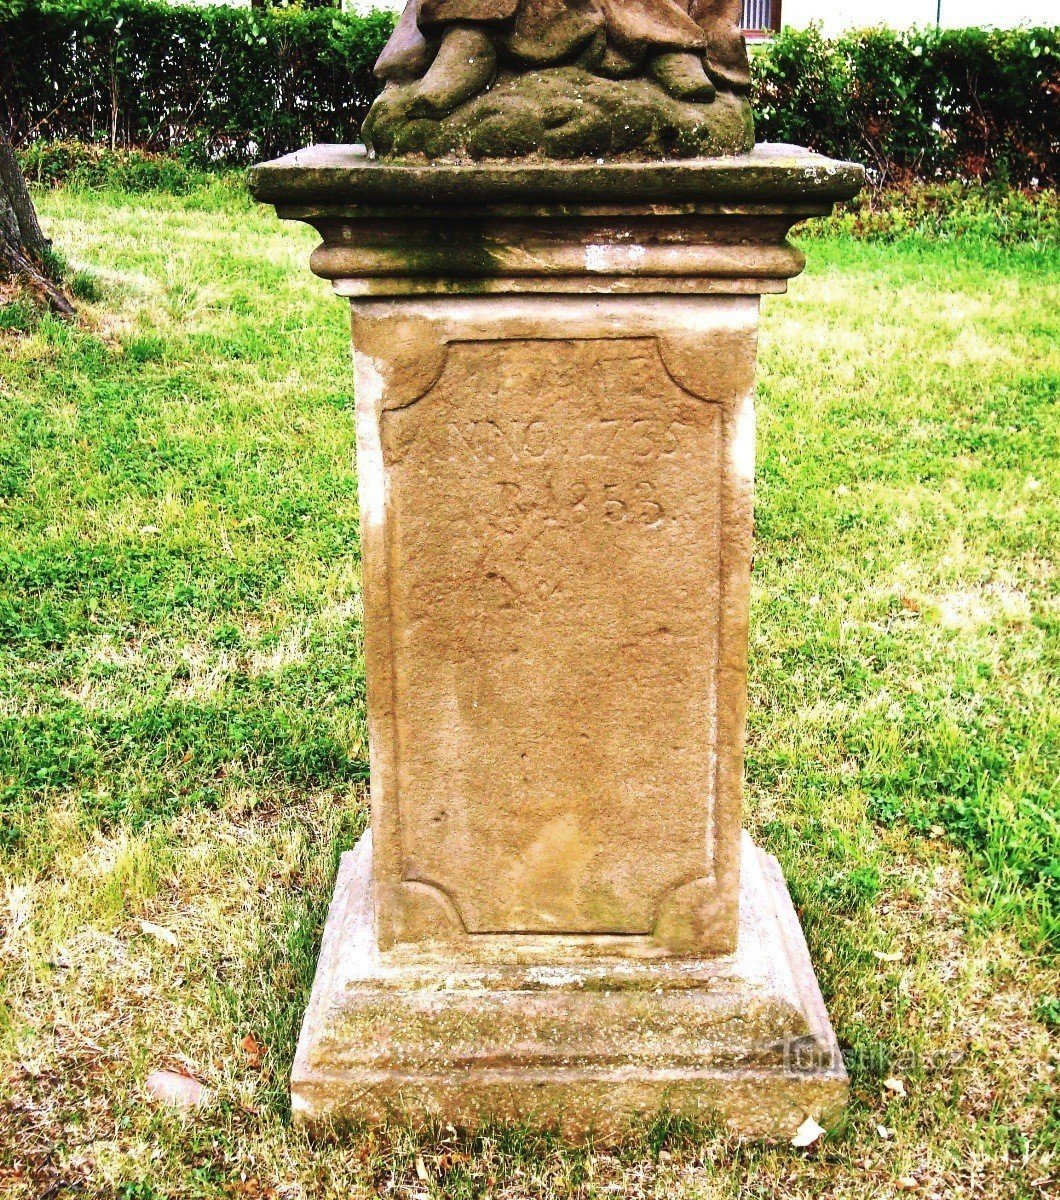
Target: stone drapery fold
(543, 32)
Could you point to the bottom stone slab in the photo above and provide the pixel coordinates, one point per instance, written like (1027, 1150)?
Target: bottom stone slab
(562, 1033)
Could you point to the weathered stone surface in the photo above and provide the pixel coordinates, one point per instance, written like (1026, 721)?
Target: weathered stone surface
(557, 513)
(565, 113)
(704, 226)
(343, 179)
(545, 79)
(587, 1043)
(555, 424)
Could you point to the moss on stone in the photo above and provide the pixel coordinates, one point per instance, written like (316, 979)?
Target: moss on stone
(564, 113)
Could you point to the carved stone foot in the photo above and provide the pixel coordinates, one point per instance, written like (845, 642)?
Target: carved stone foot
(726, 56)
(463, 66)
(732, 75)
(683, 76)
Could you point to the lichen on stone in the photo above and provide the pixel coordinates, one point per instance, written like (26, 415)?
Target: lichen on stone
(562, 113)
(472, 80)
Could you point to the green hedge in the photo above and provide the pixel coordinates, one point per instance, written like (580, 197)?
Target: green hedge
(965, 103)
(231, 85)
(223, 84)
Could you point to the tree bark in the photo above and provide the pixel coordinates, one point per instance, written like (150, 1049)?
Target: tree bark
(23, 246)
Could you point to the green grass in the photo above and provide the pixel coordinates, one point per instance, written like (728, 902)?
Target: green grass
(182, 725)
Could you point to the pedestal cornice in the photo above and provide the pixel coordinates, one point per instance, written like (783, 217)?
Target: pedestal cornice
(688, 226)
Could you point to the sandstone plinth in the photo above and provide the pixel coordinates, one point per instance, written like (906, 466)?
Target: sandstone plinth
(581, 1041)
(554, 916)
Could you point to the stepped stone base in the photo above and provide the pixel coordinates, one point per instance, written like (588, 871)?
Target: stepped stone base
(564, 1034)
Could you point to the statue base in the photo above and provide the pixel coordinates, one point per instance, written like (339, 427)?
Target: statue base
(563, 113)
(567, 1038)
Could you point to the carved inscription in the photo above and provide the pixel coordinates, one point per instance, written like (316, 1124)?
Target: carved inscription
(555, 509)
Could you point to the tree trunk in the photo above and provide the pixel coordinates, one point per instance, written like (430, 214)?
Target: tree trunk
(24, 250)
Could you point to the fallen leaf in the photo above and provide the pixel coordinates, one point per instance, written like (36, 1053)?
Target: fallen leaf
(251, 1188)
(178, 1091)
(884, 1132)
(908, 1184)
(421, 1168)
(896, 956)
(808, 1133)
(159, 931)
(894, 1085)
(910, 605)
(450, 1159)
(149, 529)
(254, 1051)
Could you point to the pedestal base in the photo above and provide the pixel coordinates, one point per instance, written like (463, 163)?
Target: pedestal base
(566, 1035)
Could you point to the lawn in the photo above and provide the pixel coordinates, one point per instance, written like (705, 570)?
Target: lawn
(182, 723)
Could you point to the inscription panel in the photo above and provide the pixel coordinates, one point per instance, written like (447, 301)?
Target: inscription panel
(555, 510)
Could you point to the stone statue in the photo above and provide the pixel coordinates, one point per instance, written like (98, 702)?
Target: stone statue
(563, 79)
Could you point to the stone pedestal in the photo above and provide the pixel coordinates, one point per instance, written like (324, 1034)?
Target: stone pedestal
(555, 916)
